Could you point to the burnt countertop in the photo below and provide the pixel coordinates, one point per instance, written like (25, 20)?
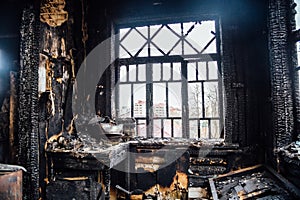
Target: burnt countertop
(83, 152)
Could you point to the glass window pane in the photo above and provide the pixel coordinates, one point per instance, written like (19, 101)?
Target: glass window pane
(133, 42)
(176, 28)
(157, 128)
(139, 98)
(177, 50)
(154, 29)
(167, 128)
(213, 70)
(123, 32)
(132, 73)
(192, 71)
(165, 39)
(166, 71)
(159, 100)
(176, 71)
(202, 72)
(154, 50)
(123, 74)
(193, 128)
(143, 30)
(177, 127)
(188, 49)
(142, 72)
(175, 99)
(200, 36)
(123, 53)
(211, 99)
(141, 128)
(204, 129)
(125, 100)
(215, 128)
(195, 100)
(156, 72)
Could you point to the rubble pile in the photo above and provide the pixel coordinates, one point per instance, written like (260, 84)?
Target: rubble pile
(292, 150)
(258, 185)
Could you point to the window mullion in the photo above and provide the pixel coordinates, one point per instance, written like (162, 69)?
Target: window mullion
(149, 100)
(184, 94)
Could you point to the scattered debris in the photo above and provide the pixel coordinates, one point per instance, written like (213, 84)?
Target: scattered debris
(292, 150)
(257, 182)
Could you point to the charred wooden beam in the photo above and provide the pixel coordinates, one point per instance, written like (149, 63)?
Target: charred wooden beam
(28, 153)
(281, 73)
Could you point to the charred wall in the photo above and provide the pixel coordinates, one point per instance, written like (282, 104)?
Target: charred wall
(285, 109)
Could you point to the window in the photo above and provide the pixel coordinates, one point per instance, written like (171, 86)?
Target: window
(168, 79)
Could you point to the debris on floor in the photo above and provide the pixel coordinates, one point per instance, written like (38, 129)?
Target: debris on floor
(257, 182)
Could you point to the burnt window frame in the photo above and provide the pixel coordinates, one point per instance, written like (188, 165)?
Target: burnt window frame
(217, 58)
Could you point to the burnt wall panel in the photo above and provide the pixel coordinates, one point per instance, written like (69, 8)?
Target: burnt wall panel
(28, 132)
(281, 73)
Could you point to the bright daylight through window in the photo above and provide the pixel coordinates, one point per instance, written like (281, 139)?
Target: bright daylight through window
(169, 79)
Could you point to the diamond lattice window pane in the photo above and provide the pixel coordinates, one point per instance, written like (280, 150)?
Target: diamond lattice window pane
(176, 28)
(177, 49)
(154, 29)
(143, 30)
(188, 50)
(123, 53)
(165, 39)
(154, 51)
(133, 42)
(123, 32)
(200, 36)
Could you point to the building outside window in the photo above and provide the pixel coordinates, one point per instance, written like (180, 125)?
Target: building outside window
(169, 79)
